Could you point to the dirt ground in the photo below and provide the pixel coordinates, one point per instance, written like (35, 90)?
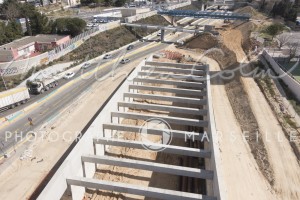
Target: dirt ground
(286, 176)
(21, 179)
(247, 110)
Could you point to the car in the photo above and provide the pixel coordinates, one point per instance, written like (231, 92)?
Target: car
(159, 33)
(69, 75)
(89, 25)
(125, 60)
(86, 65)
(107, 56)
(130, 47)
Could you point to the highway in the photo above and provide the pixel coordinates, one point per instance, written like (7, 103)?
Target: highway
(60, 100)
(67, 92)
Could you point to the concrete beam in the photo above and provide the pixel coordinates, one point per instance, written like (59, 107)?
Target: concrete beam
(174, 76)
(174, 70)
(178, 65)
(149, 166)
(177, 29)
(171, 109)
(136, 129)
(177, 91)
(167, 82)
(152, 192)
(185, 100)
(170, 120)
(184, 151)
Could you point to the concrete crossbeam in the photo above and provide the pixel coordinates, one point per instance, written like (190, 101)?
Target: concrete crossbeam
(174, 76)
(167, 82)
(171, 109)
(152, 192)
(177, 150)
(178, 65)
(183, 100)
(170, 120)
(178, 91)
(149, 166)
(174, 70)
(175, 133)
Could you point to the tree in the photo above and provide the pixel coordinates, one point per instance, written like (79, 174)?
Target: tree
(293, 47)
(70, 26)
(27, 12)
(283, 39)
(274, 29)
(285, 9)
(120, 3)
(11, 9)
(40, 24)
(10, 32)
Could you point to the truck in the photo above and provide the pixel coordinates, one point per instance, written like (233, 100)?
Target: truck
(14, 97)
(39, 86)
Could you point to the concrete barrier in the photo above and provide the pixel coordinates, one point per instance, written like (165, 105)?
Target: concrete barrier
(293, 84)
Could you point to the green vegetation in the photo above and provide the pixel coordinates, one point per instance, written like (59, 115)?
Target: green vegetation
(10, 32)
(285, 9)
(69, 26)
(117, 3)
(36, 23)
(273, 29)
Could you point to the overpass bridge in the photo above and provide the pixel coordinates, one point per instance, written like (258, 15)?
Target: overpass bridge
(205, 14)
(175, 93)
(163, 29)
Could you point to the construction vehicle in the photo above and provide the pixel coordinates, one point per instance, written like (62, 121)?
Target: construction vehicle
(39, 86)
(14, 97)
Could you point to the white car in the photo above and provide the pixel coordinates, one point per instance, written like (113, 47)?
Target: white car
(159, 33)
(107, 56)
(86, 65)
(125, 60)
(69, 75)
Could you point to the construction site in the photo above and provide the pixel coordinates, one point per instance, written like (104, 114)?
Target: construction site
(191, 120)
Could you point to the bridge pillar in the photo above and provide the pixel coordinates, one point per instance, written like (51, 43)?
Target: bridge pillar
(162, 35)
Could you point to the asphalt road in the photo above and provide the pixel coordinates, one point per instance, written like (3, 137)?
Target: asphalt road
(61, 100)
(61, 82)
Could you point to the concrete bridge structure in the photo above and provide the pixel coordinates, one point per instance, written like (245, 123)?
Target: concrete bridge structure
(186, 89)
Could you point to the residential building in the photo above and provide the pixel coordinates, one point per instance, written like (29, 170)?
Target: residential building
(30, 46)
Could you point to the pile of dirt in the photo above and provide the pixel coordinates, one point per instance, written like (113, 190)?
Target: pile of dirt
(252, 11)
(204, 41)
(246, 29)
(223, 56)
(212, 47)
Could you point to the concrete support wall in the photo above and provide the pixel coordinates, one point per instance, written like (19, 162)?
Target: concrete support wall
(72, 165)
(214, 187)
(293, 84)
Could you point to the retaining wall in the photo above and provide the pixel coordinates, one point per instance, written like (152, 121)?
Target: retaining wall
(293, 85)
